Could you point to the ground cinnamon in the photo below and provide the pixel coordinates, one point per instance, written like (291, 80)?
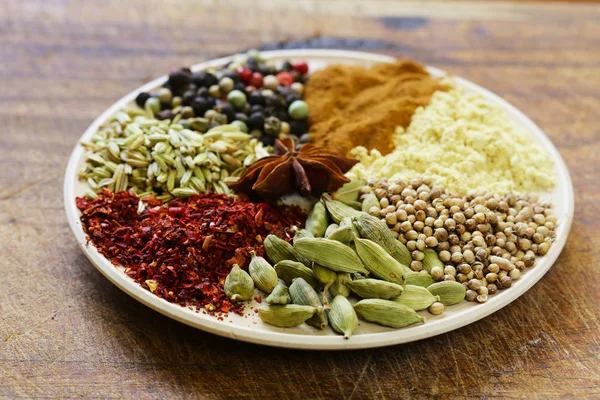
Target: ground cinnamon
(353, 106)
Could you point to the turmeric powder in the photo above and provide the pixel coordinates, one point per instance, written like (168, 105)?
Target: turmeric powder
(354, 106)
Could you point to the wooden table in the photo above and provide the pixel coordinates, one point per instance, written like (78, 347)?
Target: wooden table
(66, 331)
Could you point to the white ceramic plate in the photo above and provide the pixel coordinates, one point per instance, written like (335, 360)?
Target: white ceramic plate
(250, 328)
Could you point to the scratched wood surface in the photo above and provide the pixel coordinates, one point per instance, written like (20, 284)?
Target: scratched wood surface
(65, 331)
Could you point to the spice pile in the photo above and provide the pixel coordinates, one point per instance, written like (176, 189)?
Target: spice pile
(165, 160)
(354, 106)
(433, 211)
(462, 142)
(183, 252)
(260, 98)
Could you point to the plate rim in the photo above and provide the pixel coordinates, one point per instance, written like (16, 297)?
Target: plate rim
(304, 341)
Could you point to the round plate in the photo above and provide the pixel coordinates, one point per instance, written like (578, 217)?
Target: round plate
(249, 327)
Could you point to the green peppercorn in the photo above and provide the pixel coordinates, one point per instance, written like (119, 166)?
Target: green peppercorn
(240, 124)
(176, 102)
(214, 91)
(164, 95)
(226, 84)
(153, 104)
(237, 99)
(272, 126)
(219, 119)
(186, 112)
(298, 110)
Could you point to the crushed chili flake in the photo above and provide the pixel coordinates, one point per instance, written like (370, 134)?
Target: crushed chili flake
(188, 246)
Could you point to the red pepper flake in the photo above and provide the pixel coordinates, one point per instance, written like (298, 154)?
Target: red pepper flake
(168, 244)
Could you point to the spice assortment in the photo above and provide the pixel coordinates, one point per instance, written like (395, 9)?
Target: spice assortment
(421, 195)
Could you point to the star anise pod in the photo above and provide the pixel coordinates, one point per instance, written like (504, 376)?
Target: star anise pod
(310, 171)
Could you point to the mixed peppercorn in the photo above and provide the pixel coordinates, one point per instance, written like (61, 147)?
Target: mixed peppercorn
(260, 98)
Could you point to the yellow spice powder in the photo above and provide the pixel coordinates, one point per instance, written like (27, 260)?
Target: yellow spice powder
(462, 142)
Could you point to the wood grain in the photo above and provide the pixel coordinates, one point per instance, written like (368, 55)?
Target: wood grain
(66, 332)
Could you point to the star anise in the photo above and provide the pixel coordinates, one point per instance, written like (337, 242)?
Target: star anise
(310, 171)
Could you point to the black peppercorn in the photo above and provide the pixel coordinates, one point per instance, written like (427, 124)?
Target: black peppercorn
(200, 106)
(267, 140)
(241, 117)
(289, 99)
(178, 79)
(277, 112)
(165, 106)
(263, 70)
(203, 92)
(256, 121)
(240, 86)
(256, 98)
(211, 101)
(141, 98)
(286, 66)
(188, 97)
(191, 86)
(233, 75)
(204, 79)
(252, 64)
(274, 101)
(256, 108)
(227, 110)
(298, 127)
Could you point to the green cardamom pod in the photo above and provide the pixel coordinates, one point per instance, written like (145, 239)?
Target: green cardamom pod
(278, 250)
(330, 254)
(431, 260)
(450, 292)
(279, 295)
(342, 316)
(375, 289)
(369, 202)
(343, 235)
(316, 221)
(287, 270)
(286, 316)
(379, 262)
(338, 210)
(416, 297)
(418, 278)
(324, 275)
(387, 313)
(340, 286)
(348, 222)
(262, 273)
(238, 284)
(350, 191)
(302, 233)
(354, 204)
(374, 229)
(330, 229)
(302, 293)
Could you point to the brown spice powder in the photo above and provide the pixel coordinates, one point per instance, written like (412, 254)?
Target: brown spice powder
(354, 106)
